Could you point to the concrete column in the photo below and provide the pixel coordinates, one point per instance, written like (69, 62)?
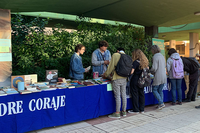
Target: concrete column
(6, 55)
(172, 44)
(194, 47)
(152, 31)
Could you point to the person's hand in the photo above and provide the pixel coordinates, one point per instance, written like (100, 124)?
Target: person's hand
(86, 70)
(106, 62)
(103, 76)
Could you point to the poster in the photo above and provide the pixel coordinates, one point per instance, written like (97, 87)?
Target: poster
(160, 44)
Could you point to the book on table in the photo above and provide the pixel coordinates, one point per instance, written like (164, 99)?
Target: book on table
(2, 93)
(32, 89)
(24, 91)
(46, 88)
(10, 91)
(88, 83)
(71, 87)
(78, 86)
(42, 88)
(62, 86)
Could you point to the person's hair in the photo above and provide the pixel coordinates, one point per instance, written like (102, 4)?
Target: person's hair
(155, 49)
(119, 49)
(78, 47)
(171, 51)
(103, 43)
(139, 55)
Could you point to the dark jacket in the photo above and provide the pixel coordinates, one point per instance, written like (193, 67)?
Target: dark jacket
(188, 66)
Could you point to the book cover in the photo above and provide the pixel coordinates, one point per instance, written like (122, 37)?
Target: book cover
(88, 83)
(16, 79)
(52, 76)
(30, 79)
(33, 89)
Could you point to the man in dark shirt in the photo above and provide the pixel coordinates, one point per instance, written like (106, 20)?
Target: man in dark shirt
(193, 70)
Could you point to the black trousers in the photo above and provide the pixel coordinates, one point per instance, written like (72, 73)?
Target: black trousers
(193, 82)
(138, 98)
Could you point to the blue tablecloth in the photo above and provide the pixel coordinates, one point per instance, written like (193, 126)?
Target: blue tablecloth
(22, 113)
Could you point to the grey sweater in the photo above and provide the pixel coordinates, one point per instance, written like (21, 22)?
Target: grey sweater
(158, 69)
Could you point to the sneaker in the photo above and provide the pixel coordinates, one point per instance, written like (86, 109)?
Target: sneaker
(161, 106)
(132, 112)
(173, 103)
(186, 100)
(180, 103)
(114, 115)
(142, 112)
(197, 107)
(123, 113)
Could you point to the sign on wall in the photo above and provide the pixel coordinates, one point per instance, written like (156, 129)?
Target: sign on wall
(160, 44)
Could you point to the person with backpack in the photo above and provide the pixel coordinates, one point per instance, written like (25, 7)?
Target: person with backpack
(159, 72)
(124, 62)
(191, 66)
(140, 62)
(176, 74)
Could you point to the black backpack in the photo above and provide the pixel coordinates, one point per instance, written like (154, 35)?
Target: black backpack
(144, 79)
(124, 66)
(194, 62)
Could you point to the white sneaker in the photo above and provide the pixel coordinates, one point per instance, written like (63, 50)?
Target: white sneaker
(142, 112)
(161, 106)
(132, 112)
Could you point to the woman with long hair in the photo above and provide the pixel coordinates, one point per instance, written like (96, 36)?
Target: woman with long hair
(140, 62)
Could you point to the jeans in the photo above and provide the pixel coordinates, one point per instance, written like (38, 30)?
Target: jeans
(119, 89)
(176, 85)
(158, 93)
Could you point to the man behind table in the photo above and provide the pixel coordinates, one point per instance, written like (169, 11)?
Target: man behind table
(101, 58)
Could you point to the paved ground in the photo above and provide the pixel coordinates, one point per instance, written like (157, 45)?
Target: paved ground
(172, 119)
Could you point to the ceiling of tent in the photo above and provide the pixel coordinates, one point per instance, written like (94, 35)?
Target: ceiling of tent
(142, 12)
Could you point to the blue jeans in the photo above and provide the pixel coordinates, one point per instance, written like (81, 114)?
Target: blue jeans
(176, 85)
(158, 93)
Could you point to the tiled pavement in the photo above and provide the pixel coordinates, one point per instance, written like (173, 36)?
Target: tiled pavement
(172, 119)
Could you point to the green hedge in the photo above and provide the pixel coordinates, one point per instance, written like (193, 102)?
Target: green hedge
(35, 50)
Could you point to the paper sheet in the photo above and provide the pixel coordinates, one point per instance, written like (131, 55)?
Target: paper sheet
(109, 87)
